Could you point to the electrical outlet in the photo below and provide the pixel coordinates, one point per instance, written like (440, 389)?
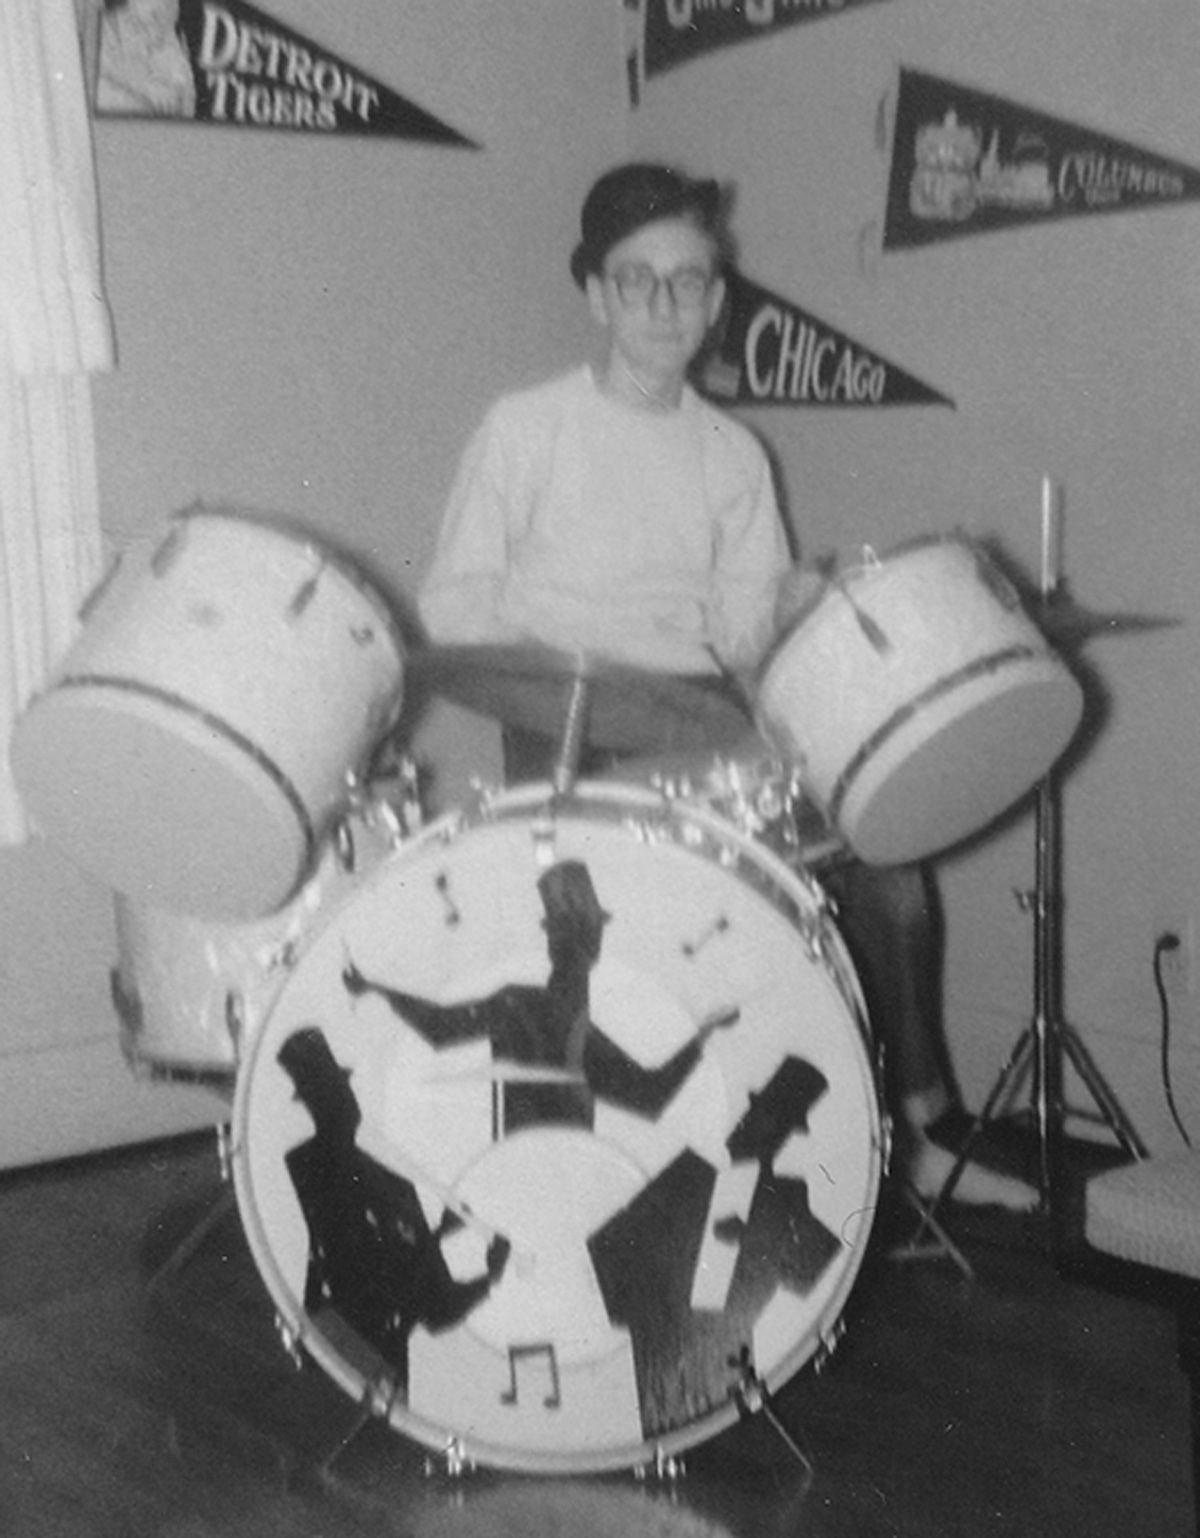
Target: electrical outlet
(1177, 962)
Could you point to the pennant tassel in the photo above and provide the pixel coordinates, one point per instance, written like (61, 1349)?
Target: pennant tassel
(634, 43)
(885, 117)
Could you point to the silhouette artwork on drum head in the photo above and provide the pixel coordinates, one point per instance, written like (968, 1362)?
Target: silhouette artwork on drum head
(690, 1360)
(373, 1257)
(561, 1136)
(550, 1028)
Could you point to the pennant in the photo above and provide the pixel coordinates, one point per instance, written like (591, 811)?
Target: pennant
(966, 163)
(226, 62)
(676, 31)
(772, 353)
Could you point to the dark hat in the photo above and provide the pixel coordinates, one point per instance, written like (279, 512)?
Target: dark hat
(625, 199)
(568, 893)
(306, 1057)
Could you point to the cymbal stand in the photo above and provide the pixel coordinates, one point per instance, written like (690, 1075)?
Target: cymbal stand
(570, 749)
(1048, 1041)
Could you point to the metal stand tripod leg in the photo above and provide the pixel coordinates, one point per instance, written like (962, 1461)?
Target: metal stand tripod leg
(939, 1247)
(222, 1204)
(752, 1399)
(1045, 1043)
(1048, 1040)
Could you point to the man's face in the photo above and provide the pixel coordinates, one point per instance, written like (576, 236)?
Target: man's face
(657, 297)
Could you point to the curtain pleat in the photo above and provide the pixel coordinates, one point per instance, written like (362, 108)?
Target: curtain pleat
(54, 331)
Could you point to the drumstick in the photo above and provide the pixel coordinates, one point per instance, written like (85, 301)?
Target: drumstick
(718, 1020)
(873, 632)
(507, 1073)
(501, 1072)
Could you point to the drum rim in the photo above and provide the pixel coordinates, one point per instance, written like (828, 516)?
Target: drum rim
(858, 782)
(876, 562)
(1029, 660)
(490, 804)
(295, 831)
(491, 808)
(250, 959)
(222, 729)
(292, 531)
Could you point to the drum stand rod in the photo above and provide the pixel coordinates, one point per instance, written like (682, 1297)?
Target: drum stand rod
(566, 767)
(751, 1397)
(1049, 1039)
(214, 1215)
(1052, 1038)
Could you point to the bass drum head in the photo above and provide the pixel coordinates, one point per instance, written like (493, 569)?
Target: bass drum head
(529, 1222)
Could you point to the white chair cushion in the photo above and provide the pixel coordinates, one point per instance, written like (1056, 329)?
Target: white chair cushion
(1149, 1212)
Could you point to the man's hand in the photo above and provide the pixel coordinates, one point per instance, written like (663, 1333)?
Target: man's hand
(718, 1022)
(798, 587)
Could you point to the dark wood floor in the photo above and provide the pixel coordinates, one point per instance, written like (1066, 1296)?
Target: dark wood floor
(137, 1403)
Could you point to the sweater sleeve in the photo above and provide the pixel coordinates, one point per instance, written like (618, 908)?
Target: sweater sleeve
(750, 558)
(459, 601)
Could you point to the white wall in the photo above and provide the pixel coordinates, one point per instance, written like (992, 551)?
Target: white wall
(310, 326)
(1070, 351)
(315, 327)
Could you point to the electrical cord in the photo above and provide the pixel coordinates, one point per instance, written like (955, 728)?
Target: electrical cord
(1167, 942)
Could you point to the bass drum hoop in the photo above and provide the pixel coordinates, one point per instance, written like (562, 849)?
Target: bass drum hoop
(646, 817)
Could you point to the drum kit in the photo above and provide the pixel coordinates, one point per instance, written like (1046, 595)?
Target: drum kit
(646, 966)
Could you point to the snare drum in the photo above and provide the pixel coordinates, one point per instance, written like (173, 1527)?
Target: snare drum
(918, 700)
(196, 740)
(596, 1290)
(190, 993)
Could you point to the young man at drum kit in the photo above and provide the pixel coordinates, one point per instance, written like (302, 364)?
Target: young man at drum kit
(614, 512)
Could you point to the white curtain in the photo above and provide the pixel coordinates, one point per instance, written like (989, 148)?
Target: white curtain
(54, 330)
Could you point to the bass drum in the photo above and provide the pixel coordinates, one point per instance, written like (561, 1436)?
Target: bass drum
(562, 1138)
(195, 742)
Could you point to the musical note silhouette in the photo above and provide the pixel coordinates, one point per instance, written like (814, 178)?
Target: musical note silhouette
(516, 1354)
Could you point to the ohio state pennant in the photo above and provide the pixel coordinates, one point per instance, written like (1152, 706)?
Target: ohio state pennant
(772, 353)
(676, 31)
(226, 62)
(967, 163)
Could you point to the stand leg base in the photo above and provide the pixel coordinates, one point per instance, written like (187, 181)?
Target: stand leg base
(941, 1247)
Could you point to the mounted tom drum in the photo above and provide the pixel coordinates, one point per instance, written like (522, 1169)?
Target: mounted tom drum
(196, 741)
(918, 700)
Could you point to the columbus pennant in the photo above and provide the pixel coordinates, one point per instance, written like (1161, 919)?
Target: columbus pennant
(966, 163)
(772, 353)
(226, 62)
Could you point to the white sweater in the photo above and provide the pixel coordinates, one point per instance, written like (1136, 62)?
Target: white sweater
(650, 538)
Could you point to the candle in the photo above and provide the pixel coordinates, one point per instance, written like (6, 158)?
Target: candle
(1049, 536)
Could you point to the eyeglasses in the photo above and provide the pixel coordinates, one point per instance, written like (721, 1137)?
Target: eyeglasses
(637, 286)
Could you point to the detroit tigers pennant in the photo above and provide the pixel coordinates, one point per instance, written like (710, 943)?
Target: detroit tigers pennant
(225, 62)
